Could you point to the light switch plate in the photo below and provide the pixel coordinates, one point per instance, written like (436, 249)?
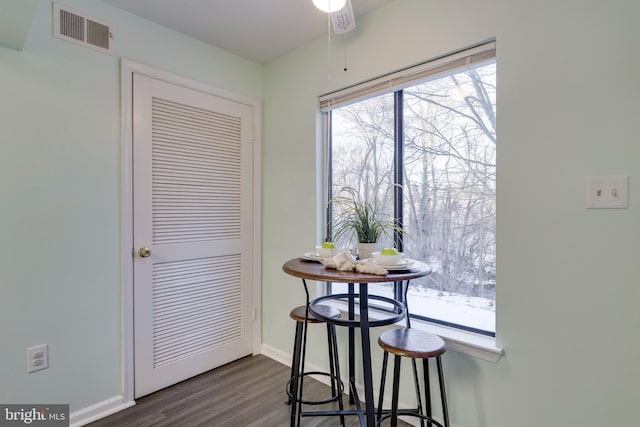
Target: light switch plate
(607, 192)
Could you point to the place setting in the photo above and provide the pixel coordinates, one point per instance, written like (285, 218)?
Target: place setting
(382, 262)
(392, 260)
(326, 250)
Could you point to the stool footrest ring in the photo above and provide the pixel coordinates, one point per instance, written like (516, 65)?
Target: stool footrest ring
(398, 312)
(407, 413)
(333, 398)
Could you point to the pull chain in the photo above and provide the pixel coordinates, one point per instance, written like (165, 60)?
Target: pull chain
(345, 55)
(329, 38)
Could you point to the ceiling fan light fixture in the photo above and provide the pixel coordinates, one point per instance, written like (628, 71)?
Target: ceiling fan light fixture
(329, 6)
(343, 20)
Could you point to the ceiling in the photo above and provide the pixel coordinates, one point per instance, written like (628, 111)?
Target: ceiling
(259, 30)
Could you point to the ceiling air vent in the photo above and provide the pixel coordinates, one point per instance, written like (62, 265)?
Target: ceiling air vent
(71, 26)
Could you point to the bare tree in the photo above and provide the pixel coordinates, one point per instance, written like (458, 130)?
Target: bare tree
(449, 172)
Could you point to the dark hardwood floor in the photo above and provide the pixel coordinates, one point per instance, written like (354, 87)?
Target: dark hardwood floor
(249, 392)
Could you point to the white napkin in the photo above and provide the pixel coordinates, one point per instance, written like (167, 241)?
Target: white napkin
(344, 261)
(370, 268)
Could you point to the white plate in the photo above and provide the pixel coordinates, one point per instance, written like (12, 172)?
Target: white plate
(311, 256)
(405, 264)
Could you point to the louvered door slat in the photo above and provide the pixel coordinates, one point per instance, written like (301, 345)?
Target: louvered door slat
(197, 177)
(193, 320)
(199, 147)
(190, 326)
(188, 296)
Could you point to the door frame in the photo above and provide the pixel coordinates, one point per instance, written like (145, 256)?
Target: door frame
(127, 69)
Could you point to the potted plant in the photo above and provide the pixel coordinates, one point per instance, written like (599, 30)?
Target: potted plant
(359, 218)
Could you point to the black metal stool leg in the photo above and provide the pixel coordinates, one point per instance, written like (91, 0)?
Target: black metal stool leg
(335, 369)
(331, 360)
(416, 383)
(385, 359)
(301, 371)
(443, 395)
(427, 390)
(295, 373)
(396, 390)
(295, 364)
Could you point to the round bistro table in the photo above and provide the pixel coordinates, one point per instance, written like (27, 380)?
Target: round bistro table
(310, 270)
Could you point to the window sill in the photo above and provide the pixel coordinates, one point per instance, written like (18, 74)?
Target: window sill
(469, 343)
(476, 345)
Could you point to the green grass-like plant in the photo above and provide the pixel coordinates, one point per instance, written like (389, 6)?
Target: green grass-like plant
(360, 218)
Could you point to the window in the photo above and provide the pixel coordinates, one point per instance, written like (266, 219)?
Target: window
(422, 144)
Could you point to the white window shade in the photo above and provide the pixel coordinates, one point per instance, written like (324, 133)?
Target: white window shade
(409, 76)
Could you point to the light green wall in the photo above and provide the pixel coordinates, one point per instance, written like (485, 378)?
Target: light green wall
(568, 278)
(60, 256)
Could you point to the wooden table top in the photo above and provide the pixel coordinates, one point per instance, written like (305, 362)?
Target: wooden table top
(312, 270)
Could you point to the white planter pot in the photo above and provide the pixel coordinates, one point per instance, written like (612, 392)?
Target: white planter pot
(365, 250)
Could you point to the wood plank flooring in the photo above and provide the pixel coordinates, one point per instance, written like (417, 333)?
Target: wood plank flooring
(249, 392)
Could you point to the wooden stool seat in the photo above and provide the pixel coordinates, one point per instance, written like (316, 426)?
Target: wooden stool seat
(412, 343)
(298, 313)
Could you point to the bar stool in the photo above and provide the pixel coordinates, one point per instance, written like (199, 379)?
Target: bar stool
(295, 383)
(415, 344)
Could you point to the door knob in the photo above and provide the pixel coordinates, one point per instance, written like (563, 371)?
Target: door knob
(144, 252)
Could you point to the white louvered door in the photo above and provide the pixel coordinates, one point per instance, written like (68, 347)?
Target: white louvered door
(192, 202)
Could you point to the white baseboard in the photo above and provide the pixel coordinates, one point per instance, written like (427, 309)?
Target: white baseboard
(276, 354)
(285, 358)
(99, 410)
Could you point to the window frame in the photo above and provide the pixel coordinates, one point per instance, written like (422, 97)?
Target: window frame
(395, 83)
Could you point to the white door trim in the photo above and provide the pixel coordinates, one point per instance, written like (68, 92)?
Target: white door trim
(127, 69)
